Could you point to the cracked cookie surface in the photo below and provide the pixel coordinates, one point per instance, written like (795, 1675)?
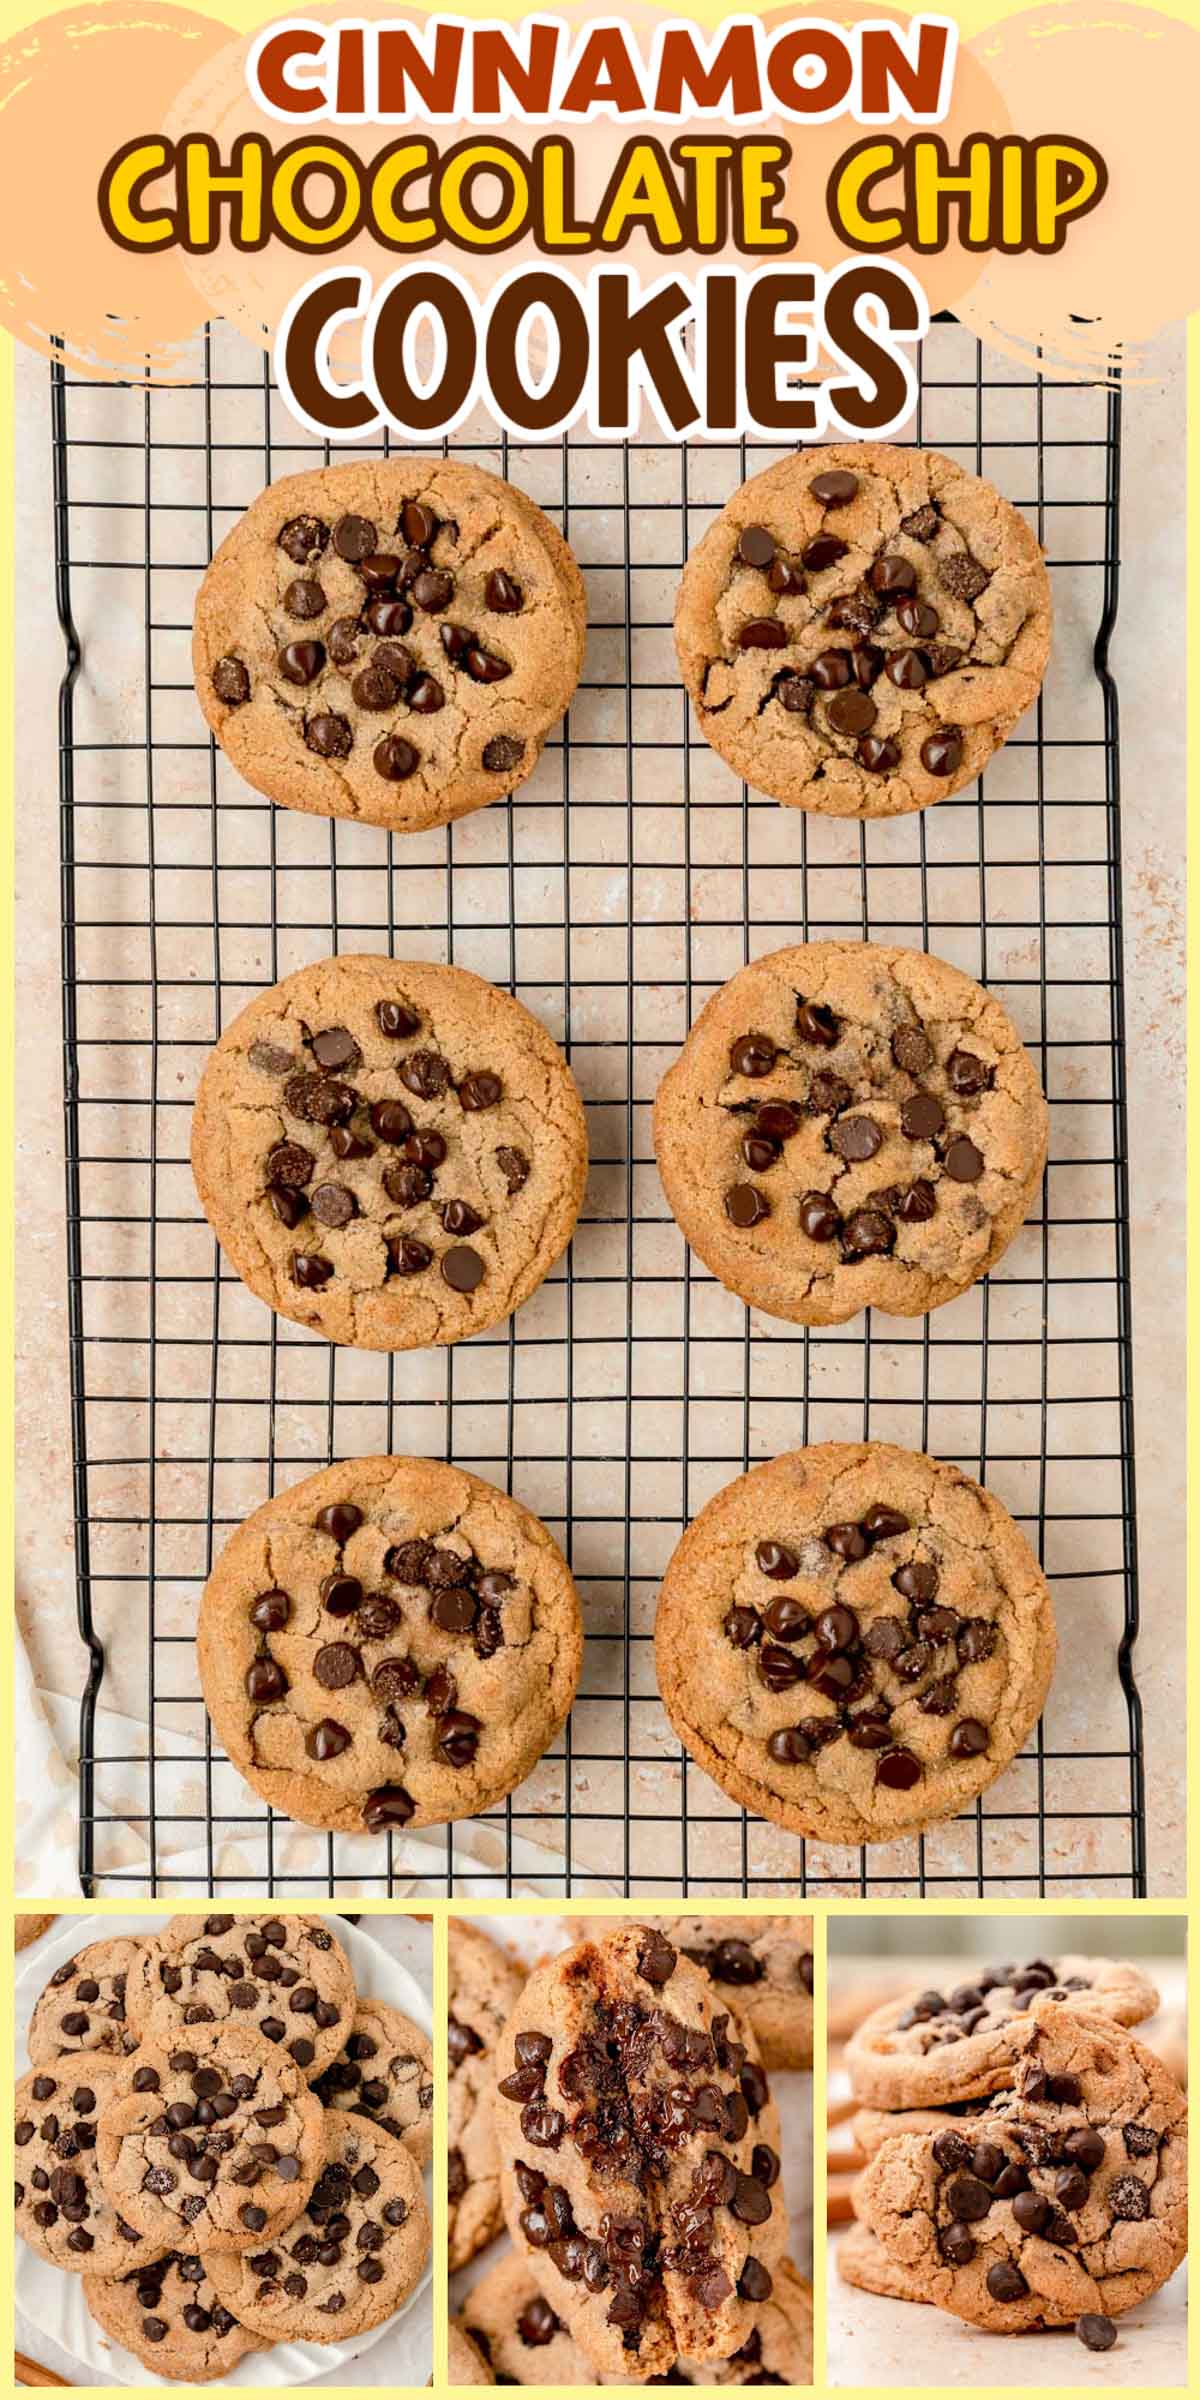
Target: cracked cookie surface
(351, 2259)
(862, 627)
(83, 2007)
(390, 1642)
(854, 1640)
(639, 2151)
(390, 640)
(933, 2048)
(483, 1989)
(170, 2318)
(526, 2343)
(763, 1966)
(384, 2071)
(850, 1126)
(862, 2261)
(390, 1152)
(287, 1979)
(1069, 2196)
(63, 2208)
(211, 2137)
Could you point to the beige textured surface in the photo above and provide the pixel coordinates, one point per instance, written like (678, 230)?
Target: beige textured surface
(905, 1043)
(968, 559)
(685, 866)
(483, 525)
(982, 1653)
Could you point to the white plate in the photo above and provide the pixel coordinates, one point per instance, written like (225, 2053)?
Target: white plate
(54, 2301)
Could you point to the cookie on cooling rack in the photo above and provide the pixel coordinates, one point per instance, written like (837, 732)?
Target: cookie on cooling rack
(850, 1127)
(854, 1640)
(862, 627)
(391, 1642)
(389, 1152)
(389, 640)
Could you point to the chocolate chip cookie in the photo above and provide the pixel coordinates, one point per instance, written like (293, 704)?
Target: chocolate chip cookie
(465, 2362)
(862, 627)
(482, 1992)
(390, 640)
(213, 2136)
(384, 2071)
(83, 2006)
(854, 1640)
(285, 1978)
(1068, 2198)
(763, 1966)
(872, 2127)
(168, 2316)
(29, 1929)
(391, 1153)
(932, 2048)
(850, 1127)
(508, 2320)
(354, 2255)
(389, 1643)
(639, 2151)
(62, 2208)
(862, 2261)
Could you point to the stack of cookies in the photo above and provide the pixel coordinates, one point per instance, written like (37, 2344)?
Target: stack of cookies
(1026, 2155)
(225, 2140)
(612, 2111)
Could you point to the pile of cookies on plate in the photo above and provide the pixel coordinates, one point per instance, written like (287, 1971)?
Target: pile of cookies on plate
(1026, 2153)
(225, 2140)
(612, 2111)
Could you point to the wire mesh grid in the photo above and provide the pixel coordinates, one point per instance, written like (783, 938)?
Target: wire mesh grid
(623, 883)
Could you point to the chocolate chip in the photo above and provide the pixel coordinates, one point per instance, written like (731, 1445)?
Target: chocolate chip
(301, 662)
(912, 1049)
(480, 1090)
(817, 1025)
(794, 693)
(742, 1628)
(834, 487)
(344, 639)
(457, 1737)
(898, 1770)
(462, 1268)
(389, 1805)
(963, 576)
(963, 1162)
(333, 1205)
(354, 538)
(967, 1074)
(502, 594)
(941, 753)
(917, 1204)
(751, 2202)
(756, 547)
(969, 1738)
(1128, 2198)
(745, 1205)
(787, 1619)
(301, 537)
(819, 1219)
(831, 670)
(823, 551)
(1096, 2332)
(389, 618)
(754, 2282)
(395, 759)
(380, 570)
(922, 1117)
(1006, 2282)
(763, 633)
(956, 2245)
(975, 1640)
(231, 681)
(330, 736)
(1085, 2148)
(374, 688)
(483, 666)
(502, 753)
(916, 616)
(967, 2199)
(432, 589)
(851, 711)
(265, 1681)
(878, 755)
(855, 1138)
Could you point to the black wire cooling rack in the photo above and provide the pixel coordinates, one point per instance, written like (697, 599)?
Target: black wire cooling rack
(626, 880)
